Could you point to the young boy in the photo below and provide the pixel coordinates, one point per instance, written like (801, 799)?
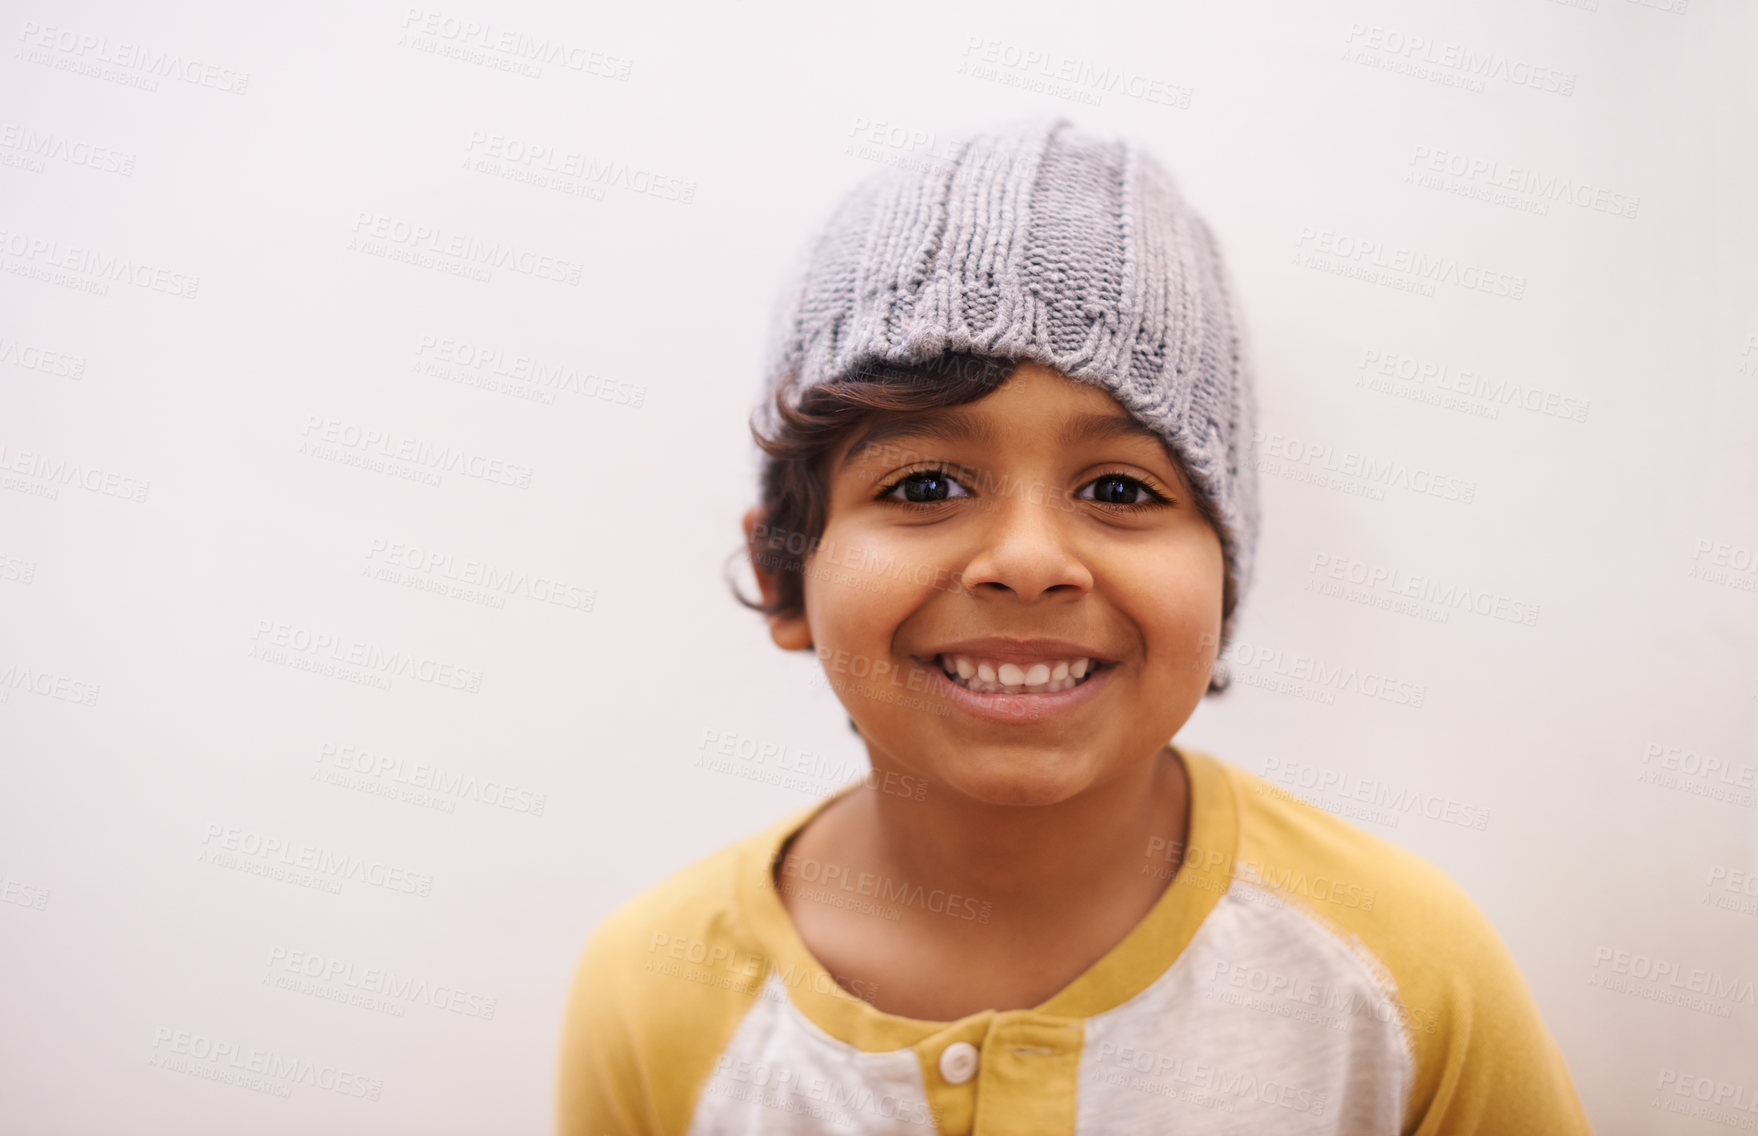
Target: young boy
(1009, 500)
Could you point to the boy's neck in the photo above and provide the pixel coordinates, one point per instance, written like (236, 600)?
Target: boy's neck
(1029, 860)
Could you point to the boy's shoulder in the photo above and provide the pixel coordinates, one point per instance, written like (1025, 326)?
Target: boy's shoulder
(1469, 1018)
(686, 915)
(1339, 870)
(1390, 905)
(681, 951)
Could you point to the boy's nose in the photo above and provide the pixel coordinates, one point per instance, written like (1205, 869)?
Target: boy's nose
(1026, 542)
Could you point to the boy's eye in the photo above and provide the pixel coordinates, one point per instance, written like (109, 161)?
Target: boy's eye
(934, 486)
(1120, 489)
(923, 487)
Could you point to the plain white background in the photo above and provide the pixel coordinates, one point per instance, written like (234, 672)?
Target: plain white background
(372, 438)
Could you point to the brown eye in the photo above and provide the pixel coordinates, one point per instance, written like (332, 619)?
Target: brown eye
(921, 487)
(1119, 490)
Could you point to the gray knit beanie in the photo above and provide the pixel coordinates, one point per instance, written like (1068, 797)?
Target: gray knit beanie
(1040, 241)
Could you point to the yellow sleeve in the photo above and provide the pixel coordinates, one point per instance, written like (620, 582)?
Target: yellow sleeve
(599, 1090)
(1484, 1061)
(659, 989)
(1489, 1063)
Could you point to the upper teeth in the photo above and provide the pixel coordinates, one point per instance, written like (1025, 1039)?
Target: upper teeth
(995, 676)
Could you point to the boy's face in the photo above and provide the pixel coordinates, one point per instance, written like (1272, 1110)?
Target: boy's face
(1025, 531)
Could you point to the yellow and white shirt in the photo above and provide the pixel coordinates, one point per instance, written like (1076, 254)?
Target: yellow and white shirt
(1297, 975)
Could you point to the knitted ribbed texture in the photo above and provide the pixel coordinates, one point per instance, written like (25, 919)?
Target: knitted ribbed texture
(1040, 241)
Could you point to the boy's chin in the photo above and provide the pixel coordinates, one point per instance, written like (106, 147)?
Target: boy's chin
(1014, 777)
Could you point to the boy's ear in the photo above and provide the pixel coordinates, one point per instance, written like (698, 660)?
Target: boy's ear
(791, 633)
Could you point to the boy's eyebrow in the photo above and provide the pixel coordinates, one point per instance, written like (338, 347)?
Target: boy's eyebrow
(956, 425)
(951, 425)
(1103, 427)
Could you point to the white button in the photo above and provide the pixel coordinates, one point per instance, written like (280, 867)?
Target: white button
(958, 1062)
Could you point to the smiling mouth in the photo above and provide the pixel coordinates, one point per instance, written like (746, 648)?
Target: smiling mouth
(987, 676)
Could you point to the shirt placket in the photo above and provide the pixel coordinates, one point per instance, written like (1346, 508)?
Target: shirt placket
(1009, 1073)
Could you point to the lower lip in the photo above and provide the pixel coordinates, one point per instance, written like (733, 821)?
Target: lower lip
(1015, 707)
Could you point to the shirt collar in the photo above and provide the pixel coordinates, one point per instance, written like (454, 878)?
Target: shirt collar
(1132, 965)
